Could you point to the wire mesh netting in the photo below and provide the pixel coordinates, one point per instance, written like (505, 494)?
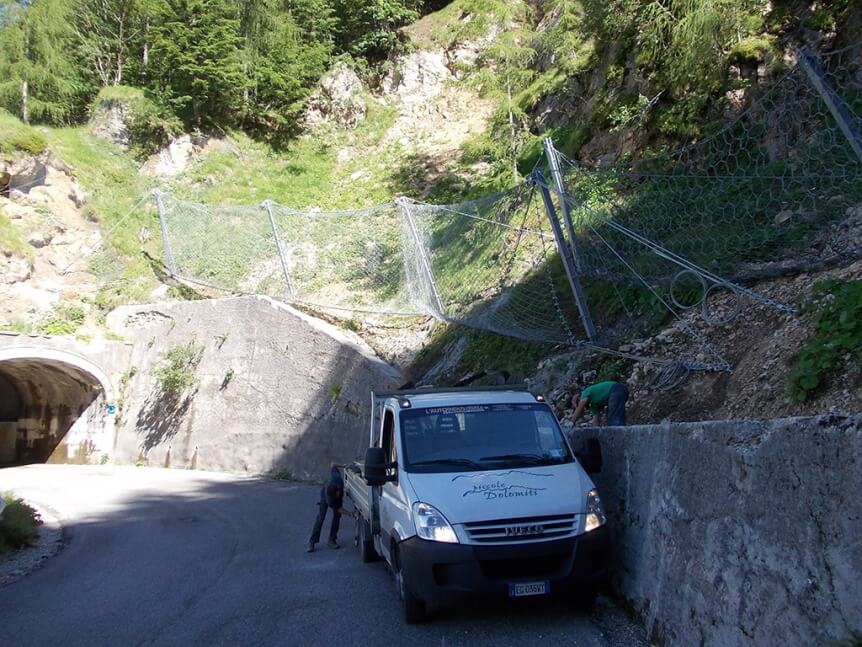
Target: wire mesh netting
(481, 263)
(756, 191)
(676, 223)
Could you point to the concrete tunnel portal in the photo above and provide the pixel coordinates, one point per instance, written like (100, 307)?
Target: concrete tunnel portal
(53, 407)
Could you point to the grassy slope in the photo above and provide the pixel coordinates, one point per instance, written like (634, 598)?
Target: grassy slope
(308, 174)
(114, 187)
(17, 138)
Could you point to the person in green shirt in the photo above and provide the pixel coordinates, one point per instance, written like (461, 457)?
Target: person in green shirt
(610, 394)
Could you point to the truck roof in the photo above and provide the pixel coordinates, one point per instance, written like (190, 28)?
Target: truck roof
(425, 398)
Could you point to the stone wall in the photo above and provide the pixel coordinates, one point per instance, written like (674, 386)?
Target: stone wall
(738, 533)
(275, 390)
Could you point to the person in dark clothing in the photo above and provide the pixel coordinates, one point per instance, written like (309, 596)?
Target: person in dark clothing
(331, 496)
(612, 395)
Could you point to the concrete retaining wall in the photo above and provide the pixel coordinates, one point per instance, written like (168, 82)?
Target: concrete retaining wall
(275, 390)
(738, 533)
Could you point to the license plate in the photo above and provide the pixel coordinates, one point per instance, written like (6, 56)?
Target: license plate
(523, 589)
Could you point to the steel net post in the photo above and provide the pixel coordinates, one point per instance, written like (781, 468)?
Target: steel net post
(166, 238)
(557, 175)
(831, 98)
(267, 204)
(566, 255)
(423, 257)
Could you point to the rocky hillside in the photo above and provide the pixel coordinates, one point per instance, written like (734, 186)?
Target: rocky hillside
(456, 112)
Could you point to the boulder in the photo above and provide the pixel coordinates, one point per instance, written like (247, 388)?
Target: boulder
(39, 239)
(340, 99)
(77, 196)
(15, 211)
(172, 160)
(109, 121)
(417, 77)
(26, 172)
(14, 269)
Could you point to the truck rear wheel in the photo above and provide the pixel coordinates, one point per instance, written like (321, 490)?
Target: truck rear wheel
(412, 607)
(365, 542)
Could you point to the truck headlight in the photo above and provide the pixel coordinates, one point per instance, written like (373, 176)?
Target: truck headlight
(432, 525)
(595, 511)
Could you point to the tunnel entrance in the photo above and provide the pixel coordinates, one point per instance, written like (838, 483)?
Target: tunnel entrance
(52, 409)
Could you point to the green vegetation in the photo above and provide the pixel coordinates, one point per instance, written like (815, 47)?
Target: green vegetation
(150, 128)
(114, 187)
(39, 79)
(484, 350)
(609, 369)
(11, 240)
(18, 136)
(836, 309)
(64, 319)
(176, 370)
(335, 392)
(448, 26)
(247, 172)
(209, 63)
(19, 524)
(853, 640)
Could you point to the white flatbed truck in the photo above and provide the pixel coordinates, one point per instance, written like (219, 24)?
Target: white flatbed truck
(477, 492)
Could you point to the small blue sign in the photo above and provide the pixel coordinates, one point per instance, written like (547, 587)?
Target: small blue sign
(112, 409)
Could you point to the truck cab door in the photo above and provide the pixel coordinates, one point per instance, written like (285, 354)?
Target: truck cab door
(393, 504)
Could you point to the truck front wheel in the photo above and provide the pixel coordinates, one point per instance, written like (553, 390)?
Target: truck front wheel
(412, 607)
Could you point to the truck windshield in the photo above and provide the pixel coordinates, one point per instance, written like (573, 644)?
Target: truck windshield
(481, 437)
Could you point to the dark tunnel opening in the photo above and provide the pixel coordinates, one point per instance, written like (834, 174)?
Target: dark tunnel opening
(50, 411)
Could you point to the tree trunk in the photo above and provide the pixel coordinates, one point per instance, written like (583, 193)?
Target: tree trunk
(25, 89)
(511, 126)
(118, 73)
(145, 59)
(25, 109)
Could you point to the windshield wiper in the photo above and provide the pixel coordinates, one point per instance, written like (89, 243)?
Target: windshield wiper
(532, 458)
(449, 461)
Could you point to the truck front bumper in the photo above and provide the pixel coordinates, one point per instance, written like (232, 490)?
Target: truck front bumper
(441, 573)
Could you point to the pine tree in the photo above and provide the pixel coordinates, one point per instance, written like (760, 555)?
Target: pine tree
(38, 80)
(281, 62)
(369, 27)
(195, 64)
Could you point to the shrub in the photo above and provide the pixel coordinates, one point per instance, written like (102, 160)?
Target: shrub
(19, 524)
(836, 308)
(176, 370)
(18, 136)
(65, 319)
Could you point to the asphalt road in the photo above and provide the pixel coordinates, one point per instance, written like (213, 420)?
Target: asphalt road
(170, 557)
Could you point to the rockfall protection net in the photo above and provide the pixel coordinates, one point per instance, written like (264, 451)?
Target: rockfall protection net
(678, 224)
(482, 263)
(756, 191)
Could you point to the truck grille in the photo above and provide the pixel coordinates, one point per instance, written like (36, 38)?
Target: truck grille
(522, 529)
(509, 569)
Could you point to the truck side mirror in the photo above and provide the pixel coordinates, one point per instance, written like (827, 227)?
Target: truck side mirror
(375, 466)
(591, 459)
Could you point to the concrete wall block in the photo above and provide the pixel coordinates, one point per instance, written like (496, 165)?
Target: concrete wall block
(732, 533)
(298, 398)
